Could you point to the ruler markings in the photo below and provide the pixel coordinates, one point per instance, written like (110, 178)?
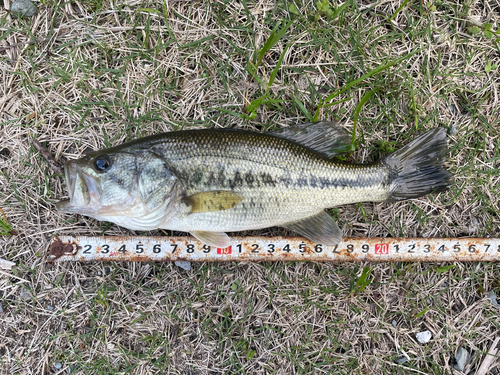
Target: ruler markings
(137, 249)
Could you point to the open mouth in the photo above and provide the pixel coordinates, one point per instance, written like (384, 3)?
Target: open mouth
(82, 190)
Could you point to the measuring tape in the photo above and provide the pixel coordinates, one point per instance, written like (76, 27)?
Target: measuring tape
(159, 249)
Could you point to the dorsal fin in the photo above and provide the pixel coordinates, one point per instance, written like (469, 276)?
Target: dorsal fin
(324, 137)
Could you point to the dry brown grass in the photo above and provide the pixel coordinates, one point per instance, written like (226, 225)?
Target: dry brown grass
(84, 75)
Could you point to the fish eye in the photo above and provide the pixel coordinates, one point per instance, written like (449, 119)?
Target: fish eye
(102, 163)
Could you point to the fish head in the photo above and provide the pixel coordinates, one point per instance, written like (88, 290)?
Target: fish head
(132, 187)
(101, 183)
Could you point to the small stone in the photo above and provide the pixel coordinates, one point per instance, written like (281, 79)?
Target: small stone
(401, 360)
(263, 358)
(184, 265)
(107, 270)
(5, 152)
(461, 359)
(453, 130)
(439, 37)
(474, 225)
(394, 323)
(491, 296)
(25, 294)
(50, 308)
(58, 365)
(6, 264)
(424, 337)
(23, 8)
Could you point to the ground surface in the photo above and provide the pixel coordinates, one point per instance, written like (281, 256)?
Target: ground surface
(84, 75)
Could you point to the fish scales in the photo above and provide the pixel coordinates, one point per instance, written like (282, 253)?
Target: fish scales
(278, 179)
(209, 182)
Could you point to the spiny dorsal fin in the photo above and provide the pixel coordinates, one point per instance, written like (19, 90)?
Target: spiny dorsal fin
(213, 201)
(319, 228)
(324, 137)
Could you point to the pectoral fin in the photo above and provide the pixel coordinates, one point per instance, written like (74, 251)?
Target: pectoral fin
(319, 228)
(217, 239)
(213, 201)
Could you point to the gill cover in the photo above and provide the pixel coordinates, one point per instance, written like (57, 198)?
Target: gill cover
(158, 186)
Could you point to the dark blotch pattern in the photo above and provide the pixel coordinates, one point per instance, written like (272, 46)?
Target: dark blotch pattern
(302, 182)
(249, 179)
(197, 177)
(236, 182)
(267, 179)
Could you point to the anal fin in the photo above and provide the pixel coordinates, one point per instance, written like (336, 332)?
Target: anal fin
(216, 239)
(319, 228)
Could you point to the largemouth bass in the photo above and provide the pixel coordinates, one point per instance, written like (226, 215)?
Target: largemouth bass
(208, 182)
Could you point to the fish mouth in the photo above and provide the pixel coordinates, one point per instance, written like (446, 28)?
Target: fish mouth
(82, 189)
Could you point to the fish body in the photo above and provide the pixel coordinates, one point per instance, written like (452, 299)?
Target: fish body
(209, 182)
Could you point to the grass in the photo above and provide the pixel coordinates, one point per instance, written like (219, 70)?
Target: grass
(5, 227)
(82, 76)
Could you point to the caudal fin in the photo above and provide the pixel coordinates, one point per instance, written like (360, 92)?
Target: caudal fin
(417, 169)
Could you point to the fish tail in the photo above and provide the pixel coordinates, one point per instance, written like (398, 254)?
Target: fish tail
(417, 169)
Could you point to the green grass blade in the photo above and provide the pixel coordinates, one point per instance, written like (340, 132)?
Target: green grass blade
(5, 226)
(303, 109)
(369, 74)
(272, 40)
(364, 280)
(277, 68)
(398, 10)
(318, 110)
(340, 9)
(254, 104)
(362, 102)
